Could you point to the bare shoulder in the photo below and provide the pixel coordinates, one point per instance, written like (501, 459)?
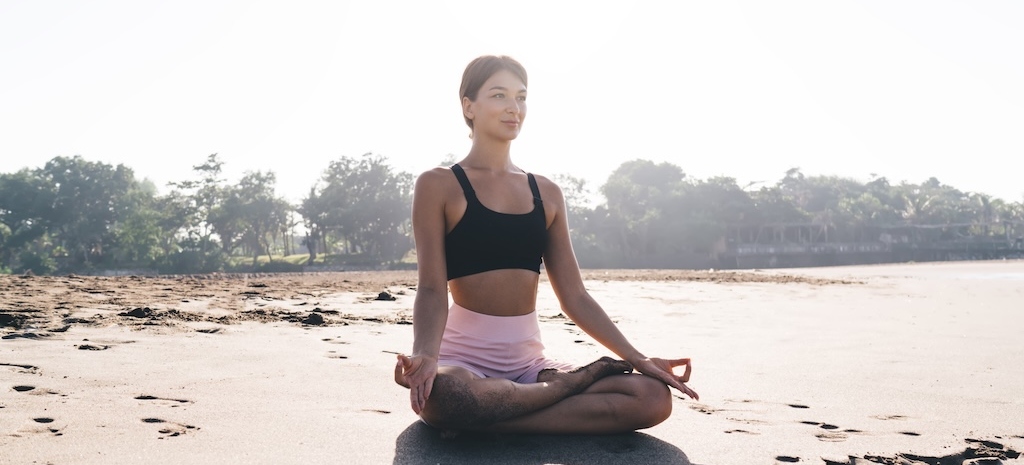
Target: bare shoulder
(438, 174)
(549, 189)
(435, 180)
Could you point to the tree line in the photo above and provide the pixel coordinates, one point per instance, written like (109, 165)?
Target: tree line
(75, 215)
(654, 215)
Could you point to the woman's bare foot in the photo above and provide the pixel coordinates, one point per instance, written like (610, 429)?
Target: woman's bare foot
(582, 377)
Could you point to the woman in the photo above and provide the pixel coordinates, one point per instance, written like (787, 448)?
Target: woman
(482, 229)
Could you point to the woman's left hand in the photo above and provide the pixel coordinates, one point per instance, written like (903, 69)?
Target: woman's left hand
(664, 370)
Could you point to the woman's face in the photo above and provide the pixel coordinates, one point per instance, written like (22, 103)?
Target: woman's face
(500, 107)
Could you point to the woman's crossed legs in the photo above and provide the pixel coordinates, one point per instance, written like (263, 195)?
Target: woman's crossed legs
(600, 398)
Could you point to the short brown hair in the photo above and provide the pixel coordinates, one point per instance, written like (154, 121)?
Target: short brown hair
(480, 70)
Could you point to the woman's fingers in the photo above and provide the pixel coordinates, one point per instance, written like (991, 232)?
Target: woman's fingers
(667, 374)
(411, 372)
(682, 362)
(417, 400)
(684, 389)
(400, 374)
(418, 396)
(686, 373)
(690, 392)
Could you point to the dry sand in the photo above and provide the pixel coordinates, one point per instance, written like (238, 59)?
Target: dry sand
(853, 365)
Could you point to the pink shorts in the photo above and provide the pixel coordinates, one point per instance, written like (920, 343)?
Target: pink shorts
(495, 346)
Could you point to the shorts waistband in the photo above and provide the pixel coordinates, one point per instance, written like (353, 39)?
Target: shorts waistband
(494, 328)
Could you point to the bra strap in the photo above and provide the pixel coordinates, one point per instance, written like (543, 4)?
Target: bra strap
(536, 190)
(460, 174)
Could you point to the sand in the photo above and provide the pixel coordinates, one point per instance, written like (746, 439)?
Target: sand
(918, 363)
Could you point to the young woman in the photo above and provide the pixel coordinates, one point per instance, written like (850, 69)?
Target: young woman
(482, 229)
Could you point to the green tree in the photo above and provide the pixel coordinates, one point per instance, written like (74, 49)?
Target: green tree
(88, 201)
(706, 211)
(25, 200)
(364, 204)
(138, 235)
(637, 195)
(251, 214)
(194, 203)
(314, 209)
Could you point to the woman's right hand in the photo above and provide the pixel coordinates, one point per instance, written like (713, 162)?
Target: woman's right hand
(416, 373)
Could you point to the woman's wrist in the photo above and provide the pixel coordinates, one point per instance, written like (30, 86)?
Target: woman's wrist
(424, 354)
(635, 358)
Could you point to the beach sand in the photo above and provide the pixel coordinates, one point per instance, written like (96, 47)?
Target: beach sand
(891, 364)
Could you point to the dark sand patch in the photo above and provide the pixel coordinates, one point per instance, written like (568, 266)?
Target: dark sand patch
(978, 452)
(52, 304)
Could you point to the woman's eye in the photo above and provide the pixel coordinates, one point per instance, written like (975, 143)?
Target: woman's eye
(521, 98)
(499, 95)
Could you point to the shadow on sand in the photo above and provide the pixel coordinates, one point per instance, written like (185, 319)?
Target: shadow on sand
(420, 444)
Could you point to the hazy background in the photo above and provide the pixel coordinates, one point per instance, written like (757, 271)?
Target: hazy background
(902, 89)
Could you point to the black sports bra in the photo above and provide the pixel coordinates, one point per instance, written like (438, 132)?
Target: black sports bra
(486, 240)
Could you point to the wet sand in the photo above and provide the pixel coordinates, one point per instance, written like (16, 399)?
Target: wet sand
(893, 364)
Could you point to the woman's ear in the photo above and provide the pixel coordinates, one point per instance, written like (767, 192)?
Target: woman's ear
(467, 108)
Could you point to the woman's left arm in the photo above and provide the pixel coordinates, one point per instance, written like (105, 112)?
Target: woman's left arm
(564, 274)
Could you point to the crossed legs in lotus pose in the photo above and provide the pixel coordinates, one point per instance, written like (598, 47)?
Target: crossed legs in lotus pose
(600, 398)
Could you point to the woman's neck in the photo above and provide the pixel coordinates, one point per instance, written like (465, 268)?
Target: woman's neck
(490, 156)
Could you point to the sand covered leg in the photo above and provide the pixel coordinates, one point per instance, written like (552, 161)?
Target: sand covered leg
(459, 401)
(614, 404)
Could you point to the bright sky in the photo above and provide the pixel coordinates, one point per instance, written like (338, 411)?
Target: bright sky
(747, 89)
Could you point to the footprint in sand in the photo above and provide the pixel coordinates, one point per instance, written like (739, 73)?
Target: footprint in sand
(831, 435)
(748, 400)
(705, 409)
(742, 431)
(40, 425)
(47, 421)
(27, 369)
(889, 417)
(978, 452)
(167, 401)
(708, 410)
(820, 425)
(33, 391)
(170, 429)
(748, 421)
(333, 353)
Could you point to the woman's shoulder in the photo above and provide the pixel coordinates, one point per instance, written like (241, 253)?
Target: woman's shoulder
(436, 175)
(548, 188)
(436, 182)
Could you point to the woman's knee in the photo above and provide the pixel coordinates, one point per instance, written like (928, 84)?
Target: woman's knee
(654, 399)
(451, 403)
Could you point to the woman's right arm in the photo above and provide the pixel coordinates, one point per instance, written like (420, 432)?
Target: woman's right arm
(430, 309)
